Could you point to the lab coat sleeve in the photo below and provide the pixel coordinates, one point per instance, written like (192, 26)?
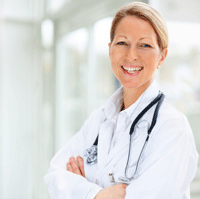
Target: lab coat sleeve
(169, 164)
(62, 184)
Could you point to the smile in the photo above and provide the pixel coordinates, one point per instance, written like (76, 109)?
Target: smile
(132, 70)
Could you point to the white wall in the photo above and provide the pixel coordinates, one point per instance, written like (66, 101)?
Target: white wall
(22, 151)
(18, 103)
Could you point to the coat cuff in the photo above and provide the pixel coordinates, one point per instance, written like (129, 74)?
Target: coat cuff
(93, 192)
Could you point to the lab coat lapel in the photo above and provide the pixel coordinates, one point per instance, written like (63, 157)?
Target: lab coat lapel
(147, 97)
(105, 137)
(122, 142)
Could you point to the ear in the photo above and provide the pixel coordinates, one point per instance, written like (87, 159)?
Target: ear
(109, 45)
(163, 56)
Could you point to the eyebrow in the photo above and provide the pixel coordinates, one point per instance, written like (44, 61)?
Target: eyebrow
(145, 38)
(122, 36)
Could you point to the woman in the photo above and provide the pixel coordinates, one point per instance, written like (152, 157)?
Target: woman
(159, 164)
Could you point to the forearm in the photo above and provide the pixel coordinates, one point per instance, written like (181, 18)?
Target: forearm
(76, 166)
(63, 184)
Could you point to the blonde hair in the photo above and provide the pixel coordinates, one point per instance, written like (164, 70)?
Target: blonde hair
(147, 13)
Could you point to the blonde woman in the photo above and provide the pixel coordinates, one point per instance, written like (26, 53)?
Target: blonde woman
(136, 146)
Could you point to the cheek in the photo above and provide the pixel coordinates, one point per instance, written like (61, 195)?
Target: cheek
(152, 60)
(113, 57)
(115, 62)
(116, 56)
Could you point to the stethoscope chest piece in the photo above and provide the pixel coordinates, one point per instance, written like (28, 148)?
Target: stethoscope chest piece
(91, 155)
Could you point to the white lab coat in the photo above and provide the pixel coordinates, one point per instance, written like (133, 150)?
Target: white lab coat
(166, 168)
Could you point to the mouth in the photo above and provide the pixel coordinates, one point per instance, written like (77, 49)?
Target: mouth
(132, 70)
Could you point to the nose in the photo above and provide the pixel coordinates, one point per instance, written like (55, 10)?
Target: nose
(132, 53)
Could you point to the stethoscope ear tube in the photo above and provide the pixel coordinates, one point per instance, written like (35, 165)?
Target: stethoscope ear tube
(155, 115)
(144, 111)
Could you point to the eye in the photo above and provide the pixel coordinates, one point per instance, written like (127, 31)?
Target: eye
(121, 43)
(146, 45)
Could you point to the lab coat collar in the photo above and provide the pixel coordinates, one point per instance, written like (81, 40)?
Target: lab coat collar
(113, 104)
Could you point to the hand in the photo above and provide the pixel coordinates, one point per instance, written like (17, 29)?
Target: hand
(116, 191)
(76, 166)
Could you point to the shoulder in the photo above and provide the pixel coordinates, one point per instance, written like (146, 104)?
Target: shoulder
(95, 116)
(172, 124)
(172, 130)
(92, 123)
(169, 114)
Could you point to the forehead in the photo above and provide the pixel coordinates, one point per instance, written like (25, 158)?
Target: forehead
(135, 26)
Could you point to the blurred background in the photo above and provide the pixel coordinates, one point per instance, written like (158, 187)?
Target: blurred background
(55, 70)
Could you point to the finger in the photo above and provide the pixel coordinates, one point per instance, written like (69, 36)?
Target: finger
(69, 167)
(75, 166)
(81, 165)
(122, 189)
(124, 185)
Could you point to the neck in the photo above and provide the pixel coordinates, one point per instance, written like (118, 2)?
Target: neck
(131, 95)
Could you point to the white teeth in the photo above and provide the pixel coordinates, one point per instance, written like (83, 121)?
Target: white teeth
(132, 70)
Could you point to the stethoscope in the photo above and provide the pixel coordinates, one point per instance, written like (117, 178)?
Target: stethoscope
(91, 153)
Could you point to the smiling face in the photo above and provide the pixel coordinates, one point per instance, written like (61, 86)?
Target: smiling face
(135, 54)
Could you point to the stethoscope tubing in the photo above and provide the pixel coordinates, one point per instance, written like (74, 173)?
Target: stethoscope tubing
(159, 100)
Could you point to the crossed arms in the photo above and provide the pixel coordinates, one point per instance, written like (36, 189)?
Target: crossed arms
(118, 191)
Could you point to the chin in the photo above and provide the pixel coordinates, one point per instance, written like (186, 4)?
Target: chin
(136, 85)
(130, 86)
(130, 83)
